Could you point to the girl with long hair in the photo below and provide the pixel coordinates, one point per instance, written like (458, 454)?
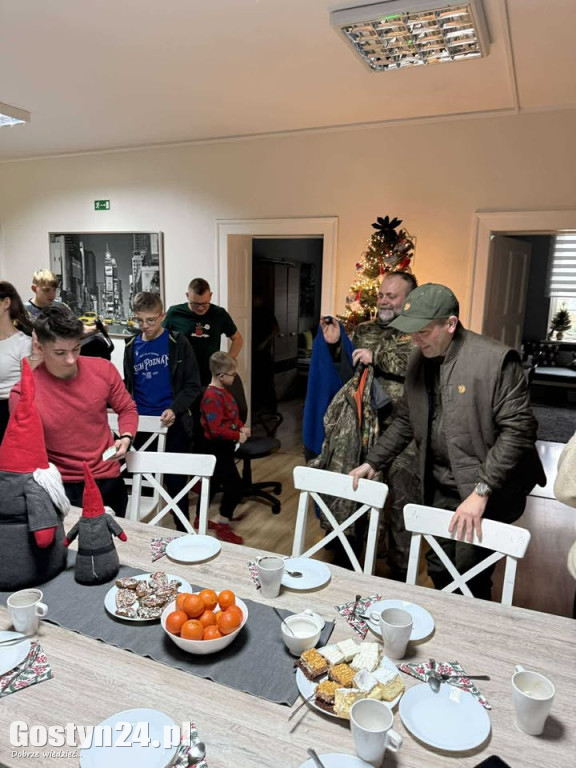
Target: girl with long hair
(15, 344)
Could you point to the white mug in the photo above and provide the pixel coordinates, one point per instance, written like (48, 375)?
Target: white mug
(396, 627)
(371, 724)
(26, 608)
(270, 572)
(532, 696)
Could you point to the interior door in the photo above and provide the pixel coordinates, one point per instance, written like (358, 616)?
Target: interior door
(239, 301)
(506, 286)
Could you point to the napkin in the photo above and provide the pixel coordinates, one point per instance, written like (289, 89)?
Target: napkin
(351, 610)
(182, 760)
(158, 547)
(34, 669)
(254, 573)
(421, 669)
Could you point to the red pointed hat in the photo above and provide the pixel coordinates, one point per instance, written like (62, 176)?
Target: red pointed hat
(92, 504)
(23, 448)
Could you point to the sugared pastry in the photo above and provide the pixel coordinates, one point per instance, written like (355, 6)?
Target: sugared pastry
(366, 658)
(343, 700)
(389, 682)
(348, 648)
(332, 654)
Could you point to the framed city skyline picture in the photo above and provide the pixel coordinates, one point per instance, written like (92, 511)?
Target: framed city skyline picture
(100, 273)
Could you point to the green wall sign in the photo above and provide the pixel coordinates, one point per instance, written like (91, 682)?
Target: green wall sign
(101, 205)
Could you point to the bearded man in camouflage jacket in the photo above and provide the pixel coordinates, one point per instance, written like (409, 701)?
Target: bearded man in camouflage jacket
(346, 444)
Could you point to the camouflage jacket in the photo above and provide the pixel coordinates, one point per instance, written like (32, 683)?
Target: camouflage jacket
(390, 352)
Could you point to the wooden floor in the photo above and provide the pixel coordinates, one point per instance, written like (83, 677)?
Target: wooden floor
(542, 583)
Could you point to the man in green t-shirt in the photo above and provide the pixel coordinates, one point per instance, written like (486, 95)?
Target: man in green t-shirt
(203, 324)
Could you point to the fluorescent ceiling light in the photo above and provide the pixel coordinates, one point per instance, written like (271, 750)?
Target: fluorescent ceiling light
(396, 34)
(12, 115)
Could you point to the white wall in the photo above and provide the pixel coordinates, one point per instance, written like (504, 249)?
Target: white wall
(434, 176)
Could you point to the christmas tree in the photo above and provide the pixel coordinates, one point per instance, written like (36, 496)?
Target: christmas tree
(560, 322)
(389, 249)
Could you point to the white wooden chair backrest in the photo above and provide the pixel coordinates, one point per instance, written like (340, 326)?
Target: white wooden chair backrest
(502, 539)
(371, 496)
(149, 465)
(155, 440)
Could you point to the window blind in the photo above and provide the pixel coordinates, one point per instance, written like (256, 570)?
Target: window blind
(562, 271)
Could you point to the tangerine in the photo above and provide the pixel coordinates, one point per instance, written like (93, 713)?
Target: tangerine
(210, 599)
(193, 605)
(236, 610)
(228, 622)
(226, 598)
(174, 621)
(207, 619)
(180, 597)
(192, 630)
(212, 633)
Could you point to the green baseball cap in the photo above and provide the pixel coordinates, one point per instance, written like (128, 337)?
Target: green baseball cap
(426, 303)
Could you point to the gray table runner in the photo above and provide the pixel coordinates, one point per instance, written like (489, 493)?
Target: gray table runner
(257, 661)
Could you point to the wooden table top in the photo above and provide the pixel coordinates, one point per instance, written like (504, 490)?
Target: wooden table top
(93, 681)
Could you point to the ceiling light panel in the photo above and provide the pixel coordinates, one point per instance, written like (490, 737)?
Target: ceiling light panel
(12, 115)
(405, 33)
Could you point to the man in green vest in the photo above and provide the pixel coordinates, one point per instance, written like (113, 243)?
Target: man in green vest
(466, 404)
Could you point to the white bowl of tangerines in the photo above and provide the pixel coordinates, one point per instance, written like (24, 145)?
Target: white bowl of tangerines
(204, 622)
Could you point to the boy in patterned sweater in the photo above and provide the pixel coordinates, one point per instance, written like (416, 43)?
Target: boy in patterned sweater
(222, 431)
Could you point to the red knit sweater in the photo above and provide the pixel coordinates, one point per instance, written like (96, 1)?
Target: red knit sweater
(75, 419)
(219, 415)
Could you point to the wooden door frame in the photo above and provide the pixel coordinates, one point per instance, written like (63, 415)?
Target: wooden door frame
(325, 226)
(487, 224)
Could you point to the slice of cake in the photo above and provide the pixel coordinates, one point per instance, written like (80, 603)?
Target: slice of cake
(389, 682)
(348, 648)
(342, 674)
(312, 664)
(325, 694)
(366, 658)
(366, 682)
(332, 654)
(343, 700)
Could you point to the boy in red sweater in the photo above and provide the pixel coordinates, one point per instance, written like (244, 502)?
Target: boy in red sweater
(222, 431)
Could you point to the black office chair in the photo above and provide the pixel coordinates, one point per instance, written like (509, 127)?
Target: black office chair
(258, 448)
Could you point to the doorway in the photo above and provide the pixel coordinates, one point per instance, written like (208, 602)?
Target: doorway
(234, 247)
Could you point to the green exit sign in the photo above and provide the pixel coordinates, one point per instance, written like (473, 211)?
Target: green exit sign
(101, 205)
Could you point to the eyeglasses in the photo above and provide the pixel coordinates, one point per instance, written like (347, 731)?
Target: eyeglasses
(146, 320)
(199, 304)
(232, 375)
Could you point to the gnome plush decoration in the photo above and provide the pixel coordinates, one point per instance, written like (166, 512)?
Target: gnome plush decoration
(32, 499)
(97, 559)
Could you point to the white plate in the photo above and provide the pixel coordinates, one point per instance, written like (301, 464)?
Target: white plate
(315, 573)
(451, 720)
(338, 760)
(423, 621)
(110, 599)
(135, 755)
(307, 687)
(12, 655)
(193, 548)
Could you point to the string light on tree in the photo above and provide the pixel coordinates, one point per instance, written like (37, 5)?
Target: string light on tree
(389, 249)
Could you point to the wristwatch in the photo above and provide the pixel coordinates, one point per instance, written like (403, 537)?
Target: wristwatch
(482, 489)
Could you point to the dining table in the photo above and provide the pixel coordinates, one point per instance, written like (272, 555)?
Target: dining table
(92, 679)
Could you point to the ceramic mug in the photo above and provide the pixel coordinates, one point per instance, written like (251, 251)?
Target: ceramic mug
(396, 628)
(26, 608)
(371, 724)
(532, 696)
(270, 572)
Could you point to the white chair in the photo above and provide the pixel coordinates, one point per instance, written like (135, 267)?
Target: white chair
(156, 431)
(370, 495)
(502, 539)
(149, 465)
